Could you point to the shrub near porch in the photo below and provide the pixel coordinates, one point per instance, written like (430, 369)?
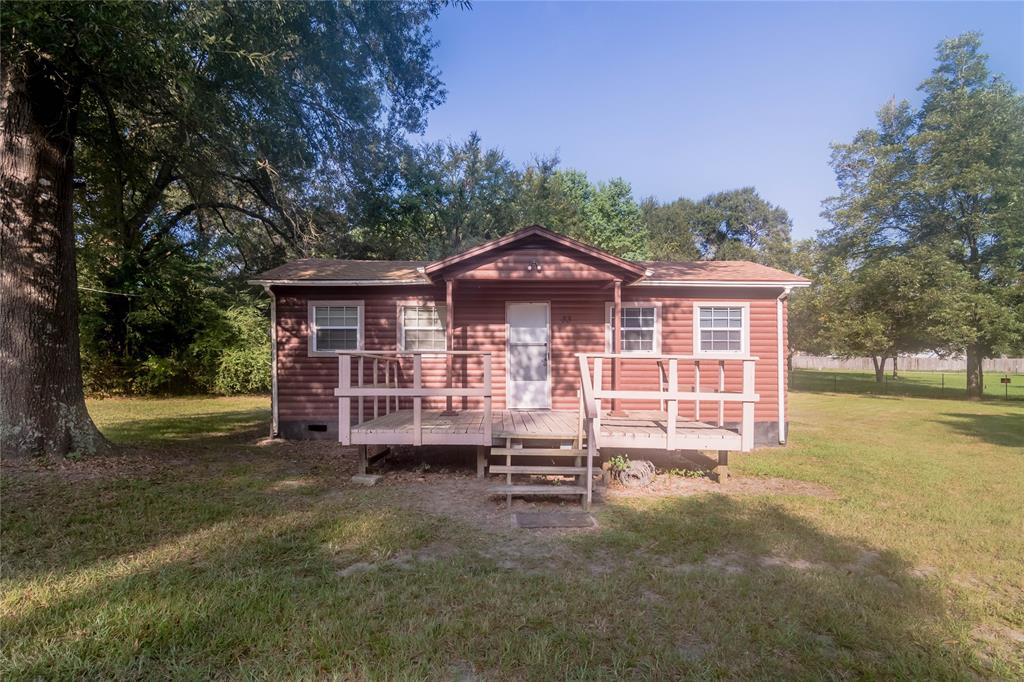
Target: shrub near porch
(195, 553)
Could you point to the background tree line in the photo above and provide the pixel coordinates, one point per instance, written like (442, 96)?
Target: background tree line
(187, 321)
(156, 155)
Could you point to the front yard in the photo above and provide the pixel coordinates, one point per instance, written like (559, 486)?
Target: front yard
(199, 551)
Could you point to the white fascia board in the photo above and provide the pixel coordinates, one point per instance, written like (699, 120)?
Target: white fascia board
(337, 282)
(717, 283)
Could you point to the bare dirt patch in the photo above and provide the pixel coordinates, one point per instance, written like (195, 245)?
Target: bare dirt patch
(667, 485)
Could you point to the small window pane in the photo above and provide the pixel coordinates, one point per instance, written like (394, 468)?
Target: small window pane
(337, 339)
(637, 325)
(424, 327)
(337, 316)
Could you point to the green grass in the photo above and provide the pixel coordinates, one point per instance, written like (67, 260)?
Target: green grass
(952, 385)
(217, 558)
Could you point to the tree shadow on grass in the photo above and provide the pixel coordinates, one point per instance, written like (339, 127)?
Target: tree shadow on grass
(705, 586)
(1006, 429)
(754, 592)
(191, 429)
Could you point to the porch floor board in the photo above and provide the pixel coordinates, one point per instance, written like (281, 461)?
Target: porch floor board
(636, 428)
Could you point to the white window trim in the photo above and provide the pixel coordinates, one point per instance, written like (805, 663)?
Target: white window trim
(744, 336)
(417, 303)
(609, 327)
(311, 326)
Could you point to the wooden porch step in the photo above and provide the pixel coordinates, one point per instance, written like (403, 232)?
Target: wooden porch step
(514, 469)
(537, 490)
(539, 452)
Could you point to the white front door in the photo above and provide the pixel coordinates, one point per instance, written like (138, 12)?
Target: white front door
(529, 374)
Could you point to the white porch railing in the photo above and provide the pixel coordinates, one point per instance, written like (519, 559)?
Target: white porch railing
(668, 394)
(386, 365)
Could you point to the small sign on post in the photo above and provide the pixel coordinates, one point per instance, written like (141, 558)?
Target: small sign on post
(1005, 381)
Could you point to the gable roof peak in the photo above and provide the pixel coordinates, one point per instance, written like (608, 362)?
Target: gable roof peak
(632, 269)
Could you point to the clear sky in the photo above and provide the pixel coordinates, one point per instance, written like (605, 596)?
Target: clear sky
(683, 99)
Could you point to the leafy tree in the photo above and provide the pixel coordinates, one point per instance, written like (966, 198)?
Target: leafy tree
(887, 307)
(454, 195)
(176, 114)
(950, 176)
(804, 312)
(605, 215)
(670, 229)
(731, 225)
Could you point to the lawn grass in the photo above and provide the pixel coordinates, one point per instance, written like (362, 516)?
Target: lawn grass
(232, 560)
(952, 385)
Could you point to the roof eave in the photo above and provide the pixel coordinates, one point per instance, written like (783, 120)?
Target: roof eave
(720, 283)
(336, 282)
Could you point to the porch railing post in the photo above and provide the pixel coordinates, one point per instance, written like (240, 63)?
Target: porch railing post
(591, 454)
(487, 399)
(359, 417)
(696, 389)
(747, 426)
(376, 380)
(344, 403)
(721, 389)
(673, 404)
(417, 401)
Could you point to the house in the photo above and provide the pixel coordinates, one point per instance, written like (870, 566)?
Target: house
(516, 343)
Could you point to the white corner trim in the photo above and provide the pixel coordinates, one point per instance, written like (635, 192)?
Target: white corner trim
(745, 336)
(311, 328)
(781, 367)
(717, 283)
(273, 362)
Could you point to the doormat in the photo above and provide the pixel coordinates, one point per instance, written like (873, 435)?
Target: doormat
(553, 520)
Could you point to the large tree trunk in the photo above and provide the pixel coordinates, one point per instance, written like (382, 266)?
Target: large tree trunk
(43, 407)
(879, 363)
(895, 367)
(975, 377)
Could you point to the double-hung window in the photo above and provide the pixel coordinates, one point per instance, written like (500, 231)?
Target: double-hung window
(422, 327)
(720, 329)
(638, 328)
(334, 326)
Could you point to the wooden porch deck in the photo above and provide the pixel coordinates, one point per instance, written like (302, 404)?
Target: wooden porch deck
(637, 429)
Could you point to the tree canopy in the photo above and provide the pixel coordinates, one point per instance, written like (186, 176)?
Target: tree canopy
(949, 176)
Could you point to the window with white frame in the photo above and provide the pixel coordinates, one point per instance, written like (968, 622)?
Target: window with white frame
(422, 327)
(335, 325)
(721, 329)
(638, 332)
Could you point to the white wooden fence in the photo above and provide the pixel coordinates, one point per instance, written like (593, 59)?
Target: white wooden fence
(910, 363)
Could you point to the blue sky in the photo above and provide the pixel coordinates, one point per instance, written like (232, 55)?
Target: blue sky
(683, 99)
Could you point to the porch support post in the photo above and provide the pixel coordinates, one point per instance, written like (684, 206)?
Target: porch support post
(616, 341)
(481, 460)
(449, 338)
